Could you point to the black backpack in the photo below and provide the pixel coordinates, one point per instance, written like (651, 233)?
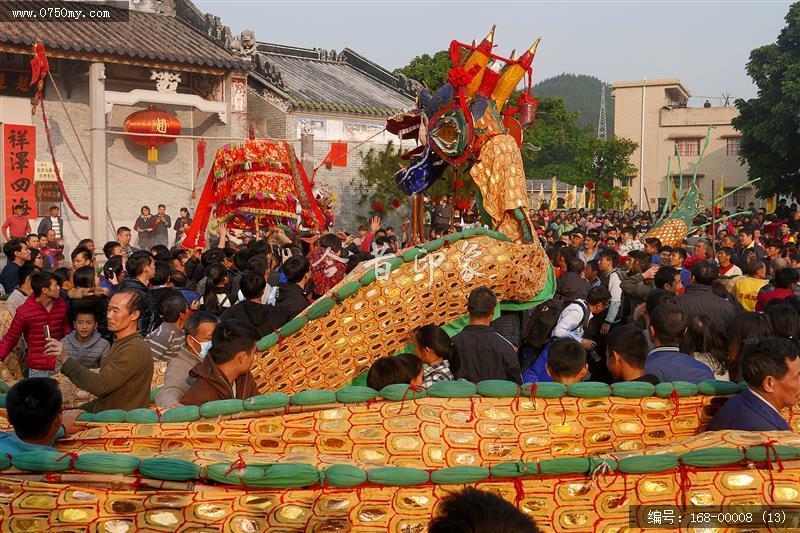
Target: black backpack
(539, 325)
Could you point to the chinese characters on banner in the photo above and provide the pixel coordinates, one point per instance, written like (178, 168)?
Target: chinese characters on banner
(19, 154)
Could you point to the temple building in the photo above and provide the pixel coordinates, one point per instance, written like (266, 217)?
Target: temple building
(190, 75)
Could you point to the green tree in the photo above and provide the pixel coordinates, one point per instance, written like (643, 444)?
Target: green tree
(552, 146)
(604, 161)
(432, 71)
(770, 123)
(376, 183)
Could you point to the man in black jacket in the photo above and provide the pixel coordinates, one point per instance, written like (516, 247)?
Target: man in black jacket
(264, 318)
(485, 354)
(292, 298)
(699, 299)
(141, 268)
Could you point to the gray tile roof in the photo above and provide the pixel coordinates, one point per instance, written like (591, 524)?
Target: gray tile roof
(145, 36)
(346, 82)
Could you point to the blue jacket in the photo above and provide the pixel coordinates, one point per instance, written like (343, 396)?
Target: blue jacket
(747, 412)
(672, 365)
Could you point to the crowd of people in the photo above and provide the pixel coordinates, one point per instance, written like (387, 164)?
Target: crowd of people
(723, 305)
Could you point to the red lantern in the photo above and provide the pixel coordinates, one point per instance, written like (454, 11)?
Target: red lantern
(590, 185)
(154, 124)
(395, 203)
(606, 195)
(377, 206)
(459, 184)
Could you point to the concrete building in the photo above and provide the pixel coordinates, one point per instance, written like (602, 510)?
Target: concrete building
(656, 115)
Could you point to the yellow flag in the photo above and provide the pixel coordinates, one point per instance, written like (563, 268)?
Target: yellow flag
(554, 196)
(572, 196)
(721, 191)
(582, 199)
(539, 198)
(772, 203)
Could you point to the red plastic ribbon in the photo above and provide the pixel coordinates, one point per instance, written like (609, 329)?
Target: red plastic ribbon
(684, 483)
(72, 458)
(675, 400)
(39, 65)
(238, 464)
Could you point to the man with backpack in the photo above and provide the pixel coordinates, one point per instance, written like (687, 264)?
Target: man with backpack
(571, 323)
(612, 281)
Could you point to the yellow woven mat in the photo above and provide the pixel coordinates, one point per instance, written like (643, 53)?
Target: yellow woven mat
(380, 318)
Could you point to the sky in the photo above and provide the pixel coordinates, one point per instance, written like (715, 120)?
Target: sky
(705, 44)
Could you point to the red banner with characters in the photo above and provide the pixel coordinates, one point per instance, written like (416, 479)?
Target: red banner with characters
(19, 154)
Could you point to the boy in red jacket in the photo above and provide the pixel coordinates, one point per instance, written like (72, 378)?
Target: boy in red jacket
(42, 310)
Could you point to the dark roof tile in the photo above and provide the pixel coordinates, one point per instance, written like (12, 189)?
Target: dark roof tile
(144, 36)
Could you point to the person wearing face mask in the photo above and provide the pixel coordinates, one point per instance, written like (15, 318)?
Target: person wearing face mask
(199, 329)
(224, 374)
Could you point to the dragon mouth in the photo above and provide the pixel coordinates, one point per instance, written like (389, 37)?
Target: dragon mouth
(405, 125)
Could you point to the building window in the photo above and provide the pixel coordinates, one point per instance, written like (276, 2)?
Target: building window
(687, 146)
(733, 145)
(737, 199)
(681, 183)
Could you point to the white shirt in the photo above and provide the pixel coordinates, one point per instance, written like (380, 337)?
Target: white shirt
(55, 226)
(757, 395)
(570, 321)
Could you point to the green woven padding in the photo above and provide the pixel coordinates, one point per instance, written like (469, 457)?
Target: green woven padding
(107, 463)
(268, 342)
(545, 389)
(395, 263)
(564, 465)
(293, 326)
(716, 456)
(348, 289)
(432, 246)
(278, 476)
(184, 413)
(499, 236)
(275, 400)
(452, 389)
(3, 400)
(313, 397)
(154, 393)
(508, 469)
(85, 417)
(784, 453)
(398, 392)
(3, 387)
(345, 476)
(743, 386)
(633, 389)
(589, 389)
(141, 416)
(397, 476)
(601, 465)
(453, 237)
(646, 464)
(684, 389)
(320, 308)
(169, 469)
(217, 408)
(480, 230)
(498, 388)
(712, 387)
(458, 475)
(355, 394)
(470, 232)
(5, 462)
(41, 461)
(413, 253)
(116, 416)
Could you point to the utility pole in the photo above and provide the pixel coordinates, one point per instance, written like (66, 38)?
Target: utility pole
(602, 129)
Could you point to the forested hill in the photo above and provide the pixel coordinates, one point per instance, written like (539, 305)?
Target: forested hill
(581, 93)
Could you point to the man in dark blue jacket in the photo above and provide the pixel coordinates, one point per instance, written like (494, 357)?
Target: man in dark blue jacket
(771, 368)
(666, 361)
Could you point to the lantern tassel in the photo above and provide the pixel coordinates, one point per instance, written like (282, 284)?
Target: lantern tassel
(152, 154)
